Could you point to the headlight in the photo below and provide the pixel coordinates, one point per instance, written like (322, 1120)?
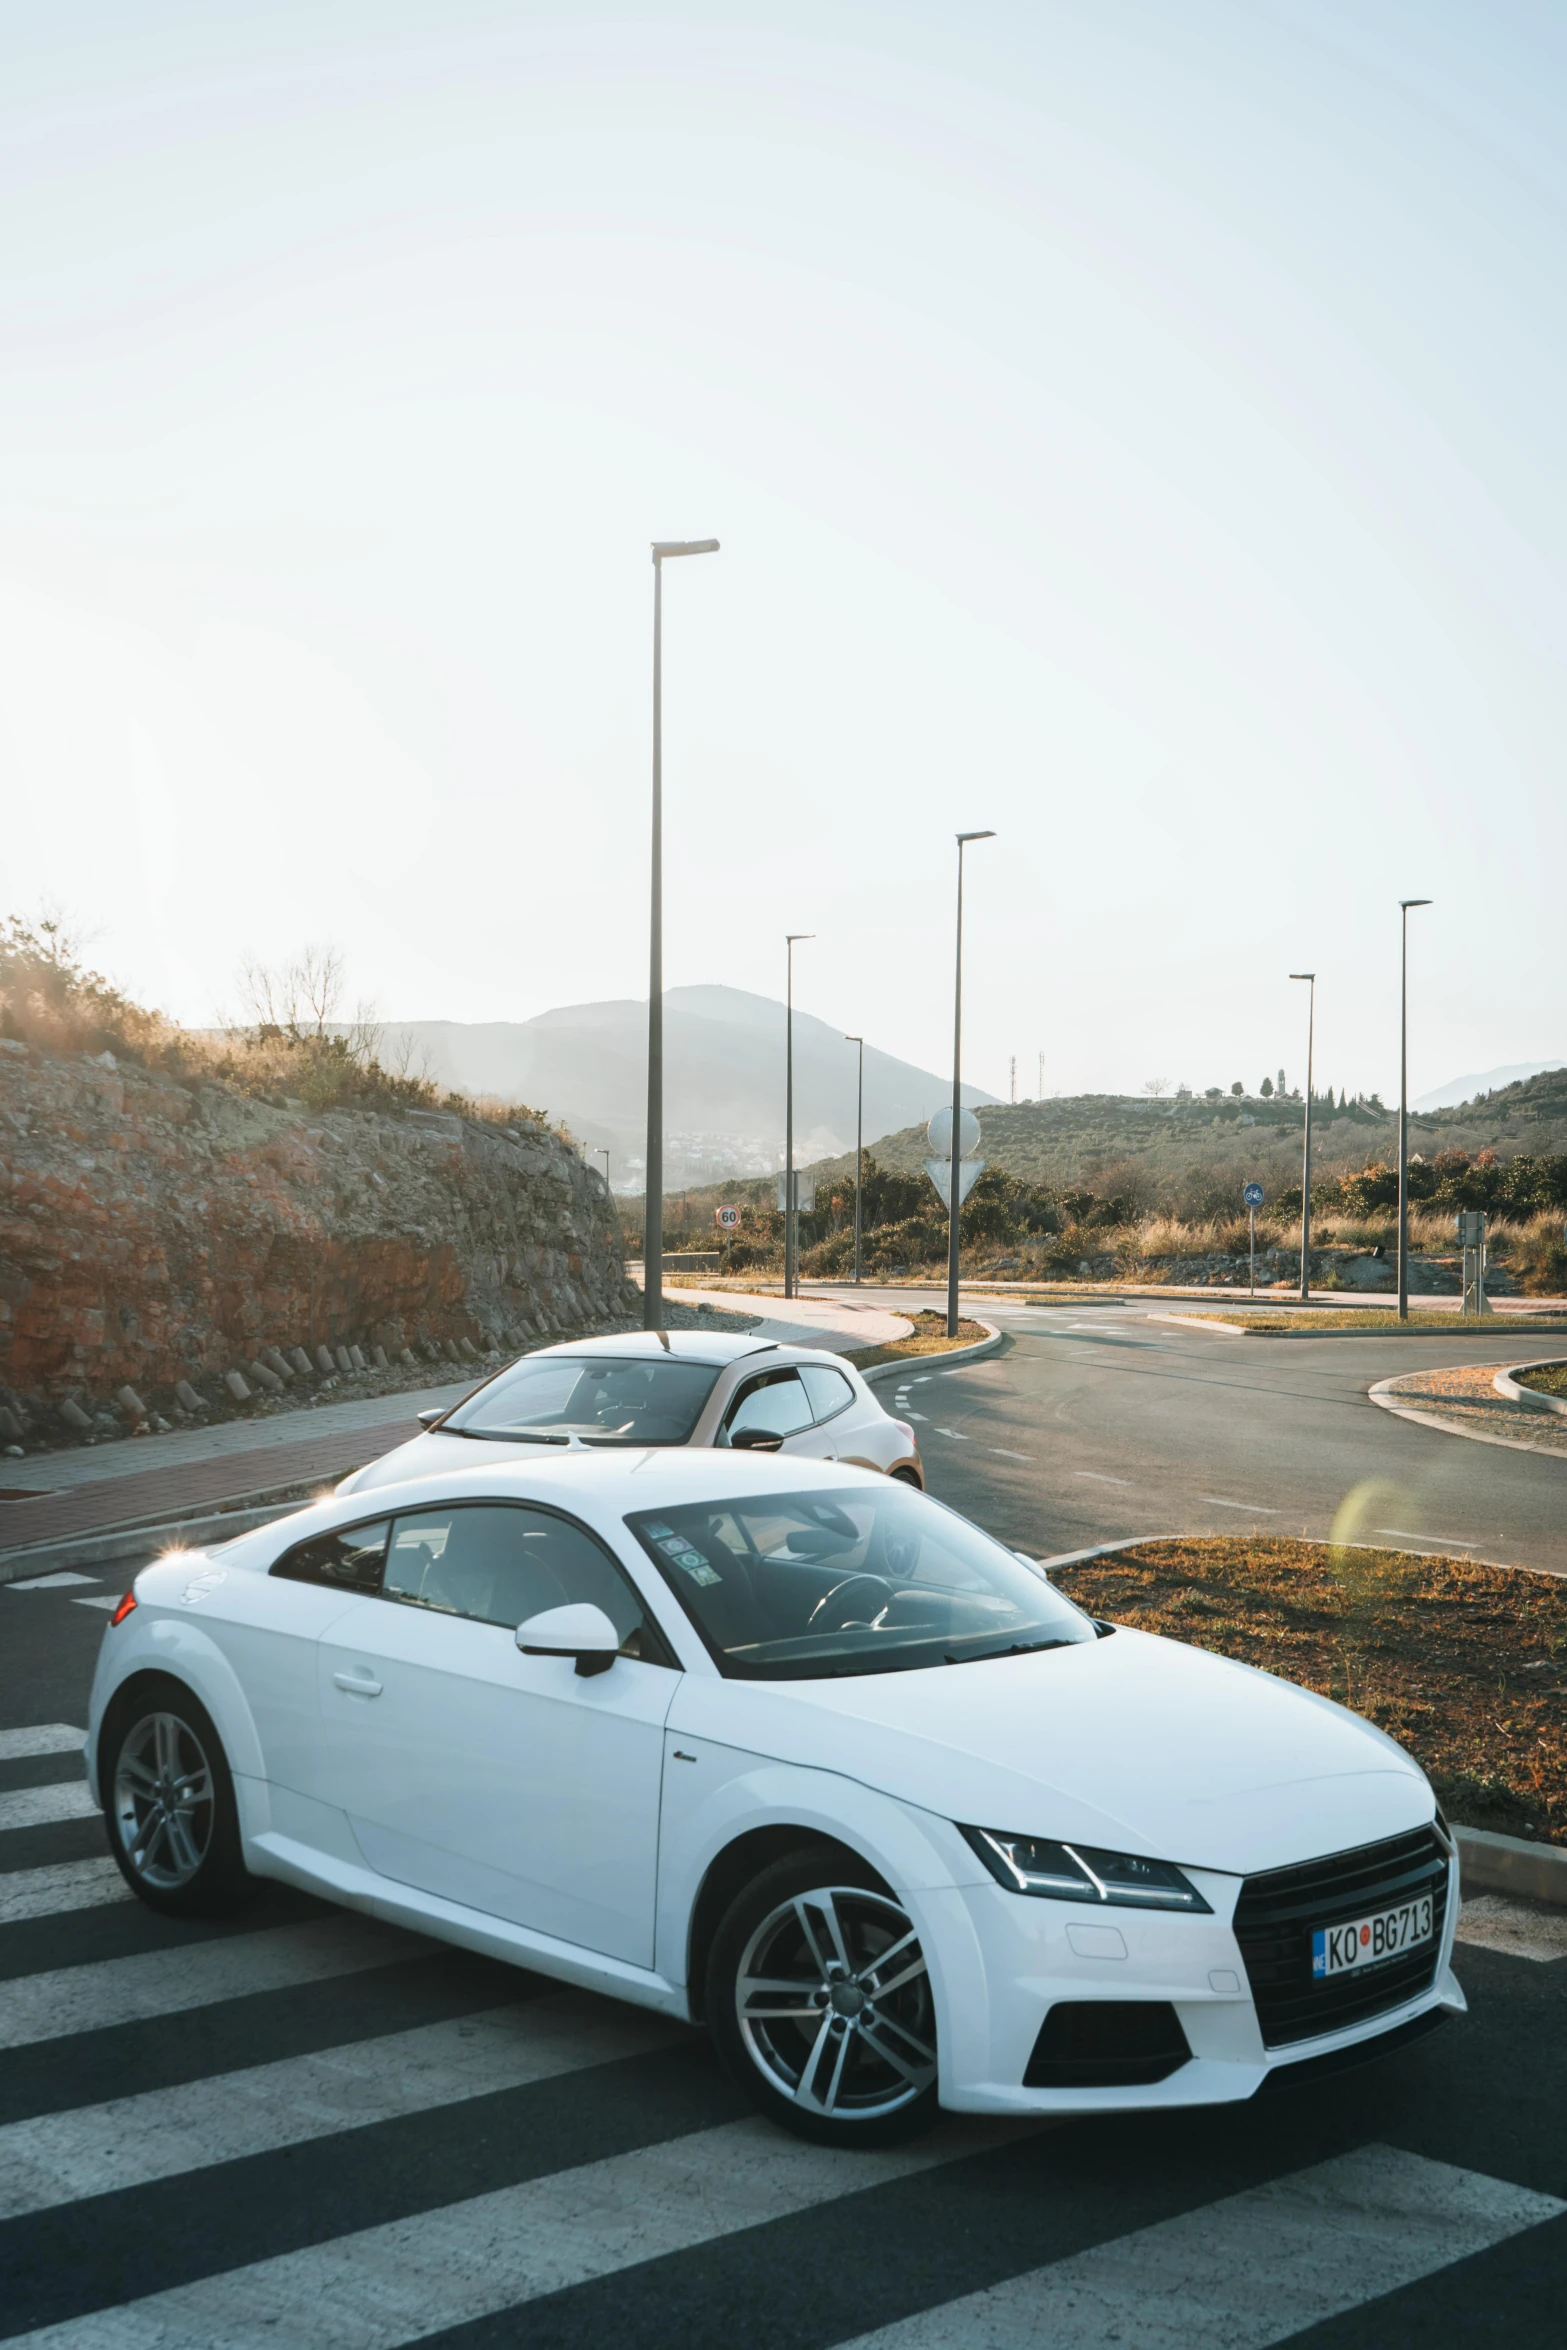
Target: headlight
(1080, 1872)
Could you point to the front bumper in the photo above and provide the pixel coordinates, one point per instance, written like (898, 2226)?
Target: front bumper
(1003, 1960)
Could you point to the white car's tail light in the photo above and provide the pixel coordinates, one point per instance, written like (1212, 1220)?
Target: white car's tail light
(1081, 1872)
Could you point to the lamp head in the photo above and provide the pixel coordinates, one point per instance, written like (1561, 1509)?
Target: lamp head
(668, 547)
(968, 836)
(792, 938)
(1303, 975)
(1406, 903)
(854, 1040)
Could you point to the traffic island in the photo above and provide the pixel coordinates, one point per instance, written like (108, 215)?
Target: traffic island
(1470, 1399)
(1464, 1664)
(929, 1337)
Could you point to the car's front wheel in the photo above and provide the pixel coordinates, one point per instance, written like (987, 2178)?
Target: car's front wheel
(819, 1999)
(169, 1802)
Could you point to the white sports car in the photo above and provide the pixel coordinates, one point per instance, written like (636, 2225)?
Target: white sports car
(792, 1750)
(640, 1387)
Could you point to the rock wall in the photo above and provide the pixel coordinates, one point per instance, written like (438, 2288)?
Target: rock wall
(154, 1228)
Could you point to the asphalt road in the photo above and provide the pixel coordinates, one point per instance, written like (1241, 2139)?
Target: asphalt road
(310, 2129)
(1097, 1423)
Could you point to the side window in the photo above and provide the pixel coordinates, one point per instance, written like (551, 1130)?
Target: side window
(500, 1564)
(349, 1560)
(776, 1404)
(829, 1391)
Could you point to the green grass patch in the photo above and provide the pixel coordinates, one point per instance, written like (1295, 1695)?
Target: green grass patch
(1546, 1378)
(928, 1337)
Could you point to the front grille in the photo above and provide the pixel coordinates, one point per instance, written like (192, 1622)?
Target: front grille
(1277, 1914)
(1107, 2044)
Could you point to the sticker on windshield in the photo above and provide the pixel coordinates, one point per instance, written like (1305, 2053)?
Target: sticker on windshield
(695, 1565)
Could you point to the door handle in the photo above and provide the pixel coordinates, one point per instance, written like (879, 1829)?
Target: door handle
(357, 1687)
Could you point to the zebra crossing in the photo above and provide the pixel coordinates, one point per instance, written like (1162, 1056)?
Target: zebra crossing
(311, 2128)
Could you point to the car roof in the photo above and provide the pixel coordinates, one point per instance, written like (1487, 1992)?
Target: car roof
(582, 1479)
(692, 1346)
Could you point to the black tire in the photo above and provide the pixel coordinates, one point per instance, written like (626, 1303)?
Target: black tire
(168, 1802)
(843, 2059)
(907, 1476)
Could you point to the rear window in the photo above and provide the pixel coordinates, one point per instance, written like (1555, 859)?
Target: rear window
(599, 1399)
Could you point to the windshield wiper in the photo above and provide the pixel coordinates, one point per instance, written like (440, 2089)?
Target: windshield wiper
(982, 1656)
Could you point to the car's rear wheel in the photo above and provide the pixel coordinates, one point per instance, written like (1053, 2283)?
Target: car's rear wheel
(907, 1476)
(169, 1802)
(820, 2002)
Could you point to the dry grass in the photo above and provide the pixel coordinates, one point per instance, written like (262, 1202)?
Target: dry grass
(928, 1337)
(1465, 1665)
(1370, 1320)
(1549, 1378)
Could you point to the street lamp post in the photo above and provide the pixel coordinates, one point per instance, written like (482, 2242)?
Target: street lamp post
(1305, 1179)
(859, 1151)
(953, 1204)
(653, 1236)
(791, 941)
(1404, 905)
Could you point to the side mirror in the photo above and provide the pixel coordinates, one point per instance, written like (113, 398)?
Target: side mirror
(755, 1440)
(429, 1419)
(580, 1630)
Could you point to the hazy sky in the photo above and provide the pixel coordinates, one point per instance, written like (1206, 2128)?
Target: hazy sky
(1138, 428)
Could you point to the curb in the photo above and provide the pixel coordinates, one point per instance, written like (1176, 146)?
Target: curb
(947, 1362)
(1459, 1329)
(1532, 1399)
(1491, 1863)
(1382, 1394)
(112, 1543)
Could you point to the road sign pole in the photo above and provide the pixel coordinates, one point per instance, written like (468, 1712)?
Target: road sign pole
(1253, 1215)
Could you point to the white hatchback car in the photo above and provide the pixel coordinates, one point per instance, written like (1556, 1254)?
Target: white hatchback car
(642, 1387)
(793, 1750)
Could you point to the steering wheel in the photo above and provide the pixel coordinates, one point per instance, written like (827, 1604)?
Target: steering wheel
(851, 1603)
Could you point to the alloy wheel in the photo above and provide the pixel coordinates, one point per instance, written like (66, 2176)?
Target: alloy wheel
(834, 2004)
(164, 1807)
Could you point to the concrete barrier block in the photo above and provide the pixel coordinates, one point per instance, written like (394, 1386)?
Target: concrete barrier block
(186, 1395)
(237, 1386)
(1492, 1863)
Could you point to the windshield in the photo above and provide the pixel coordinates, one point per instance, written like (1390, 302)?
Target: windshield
(602, 1399)
(808, 1585)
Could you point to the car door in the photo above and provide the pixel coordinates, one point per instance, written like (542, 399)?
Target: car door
(509, 1783)
(770, 1404)
(829, 1395)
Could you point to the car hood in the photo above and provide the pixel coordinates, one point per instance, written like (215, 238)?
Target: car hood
(431, 1454)
(1132, 1742)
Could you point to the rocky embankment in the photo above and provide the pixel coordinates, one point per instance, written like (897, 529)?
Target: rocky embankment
(162, 1238)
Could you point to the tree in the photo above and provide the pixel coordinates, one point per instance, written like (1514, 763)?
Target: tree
(1238, 1090)
(1266, 1089)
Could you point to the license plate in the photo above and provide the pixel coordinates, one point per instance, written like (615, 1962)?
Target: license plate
(1338, 1950)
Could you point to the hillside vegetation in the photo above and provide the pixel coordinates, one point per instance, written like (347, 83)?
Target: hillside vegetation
(1131, 1187)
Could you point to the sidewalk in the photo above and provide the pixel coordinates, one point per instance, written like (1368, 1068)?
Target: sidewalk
(834, 1324)
(81, 1492)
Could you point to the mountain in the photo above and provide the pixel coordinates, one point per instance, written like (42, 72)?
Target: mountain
(586, 1064)
(1468, 1089)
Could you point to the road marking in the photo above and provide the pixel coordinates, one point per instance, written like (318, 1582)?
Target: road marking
(1094, 1478)
(955, 1435)
(922, 1417)
(390, 2285)
(1454, 1541)
(39, 1807)
(1250, 2270)
(101, 2149)
(165, 1982)
(52, 1892)
(43, 1738)
(1009, 1456)
(1253, 1509)
(111, 1601)
(55, 1582)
